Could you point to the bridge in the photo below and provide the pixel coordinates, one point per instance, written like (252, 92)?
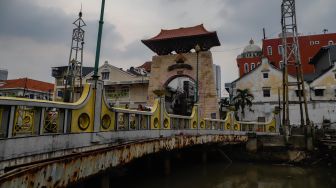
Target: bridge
(53, 144)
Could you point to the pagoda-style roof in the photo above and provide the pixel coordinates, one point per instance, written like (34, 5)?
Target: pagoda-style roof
(182, 40)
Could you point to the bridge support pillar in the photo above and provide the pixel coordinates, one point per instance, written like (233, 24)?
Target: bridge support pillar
(167, 165)
(252, 145)
(204, 157)
(105, 181)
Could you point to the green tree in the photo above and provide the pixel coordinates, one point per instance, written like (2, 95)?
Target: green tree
(243, 99)
(224, 102)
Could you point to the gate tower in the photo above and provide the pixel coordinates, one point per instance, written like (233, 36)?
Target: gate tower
(185, 52)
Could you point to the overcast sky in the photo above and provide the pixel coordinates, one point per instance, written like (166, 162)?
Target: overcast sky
(35, 35)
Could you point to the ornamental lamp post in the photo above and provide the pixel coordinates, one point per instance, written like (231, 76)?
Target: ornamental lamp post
(197, 49)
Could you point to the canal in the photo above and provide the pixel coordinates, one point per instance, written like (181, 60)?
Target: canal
(177, 171)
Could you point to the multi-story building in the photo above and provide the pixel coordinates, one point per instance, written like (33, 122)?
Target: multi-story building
(3, 74)
(59, 74)
(28, 88)
(265, 84)
(272, 49)
(309, 46)
(123, 88)
(249, 59)
(218, 79)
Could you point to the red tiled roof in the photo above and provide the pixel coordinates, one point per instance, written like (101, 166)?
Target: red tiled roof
(29, 84)
(147, 66)
(181, 32)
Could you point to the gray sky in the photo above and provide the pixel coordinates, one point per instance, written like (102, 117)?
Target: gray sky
(36, 34)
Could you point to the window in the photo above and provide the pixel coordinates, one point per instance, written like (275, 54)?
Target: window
(330, 42)
(311, 43)
(267, 92)
(32, 96)
(335, 92)
(269, 50)
(246, 68)
(299, 93)
(317, 42)
(59, 93)
(105, 75)
(335, 75)
(110, 92)
(116, 93)
(265, 75)
(252, 66)
(319, 92)
(280, 49)
(280, 65)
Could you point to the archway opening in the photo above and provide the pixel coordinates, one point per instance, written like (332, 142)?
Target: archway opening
(180, 95)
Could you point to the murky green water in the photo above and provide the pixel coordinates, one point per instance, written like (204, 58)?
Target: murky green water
(219, 175)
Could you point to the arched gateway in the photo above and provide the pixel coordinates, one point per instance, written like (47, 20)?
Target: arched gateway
(177, 57)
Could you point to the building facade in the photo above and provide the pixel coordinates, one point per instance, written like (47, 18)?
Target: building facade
(59, 74)
(3, 74)
(309, 46)
(265, 83)
(27, 88)
(249, 59)
(272, 49)
(123, 88)
(218, 80)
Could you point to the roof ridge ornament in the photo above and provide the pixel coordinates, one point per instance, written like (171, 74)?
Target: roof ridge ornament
(251, 41)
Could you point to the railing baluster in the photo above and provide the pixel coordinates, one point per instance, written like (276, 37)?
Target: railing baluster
(65, 122)
(42, 116)
(11, 122)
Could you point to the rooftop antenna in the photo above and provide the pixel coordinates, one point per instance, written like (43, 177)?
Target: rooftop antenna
(73, 77)
(291, 57)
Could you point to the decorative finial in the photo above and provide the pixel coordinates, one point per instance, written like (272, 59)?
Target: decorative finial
(251, 41)
(80, 12)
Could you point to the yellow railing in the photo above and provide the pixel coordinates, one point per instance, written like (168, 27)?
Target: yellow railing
(91, 113)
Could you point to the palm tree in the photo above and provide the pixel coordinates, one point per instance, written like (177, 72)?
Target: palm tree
(224, 102)
(242, 99)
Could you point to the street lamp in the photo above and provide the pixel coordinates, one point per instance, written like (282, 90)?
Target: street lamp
(197, 49)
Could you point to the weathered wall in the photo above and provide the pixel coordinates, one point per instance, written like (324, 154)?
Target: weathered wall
(255, 82)
(327, 82)
(318, 111)
(207, 89)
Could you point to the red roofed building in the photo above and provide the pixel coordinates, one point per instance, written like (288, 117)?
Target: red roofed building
(309, 46)
(28, 88)
(146, 66)
(272, 49)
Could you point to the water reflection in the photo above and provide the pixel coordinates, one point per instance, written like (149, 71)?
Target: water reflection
(220, 175)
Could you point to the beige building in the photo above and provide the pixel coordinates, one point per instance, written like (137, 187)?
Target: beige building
(59, 74)
(123, 87)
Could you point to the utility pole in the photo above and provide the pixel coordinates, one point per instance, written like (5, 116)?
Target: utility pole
(100, 31)
(291, 57)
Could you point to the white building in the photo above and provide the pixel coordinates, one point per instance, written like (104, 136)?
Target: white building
(265, 83)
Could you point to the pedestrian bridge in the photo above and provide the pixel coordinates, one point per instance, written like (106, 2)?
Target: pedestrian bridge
(53, 144)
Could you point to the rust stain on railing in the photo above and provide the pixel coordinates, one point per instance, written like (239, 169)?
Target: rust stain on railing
(65, 170)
